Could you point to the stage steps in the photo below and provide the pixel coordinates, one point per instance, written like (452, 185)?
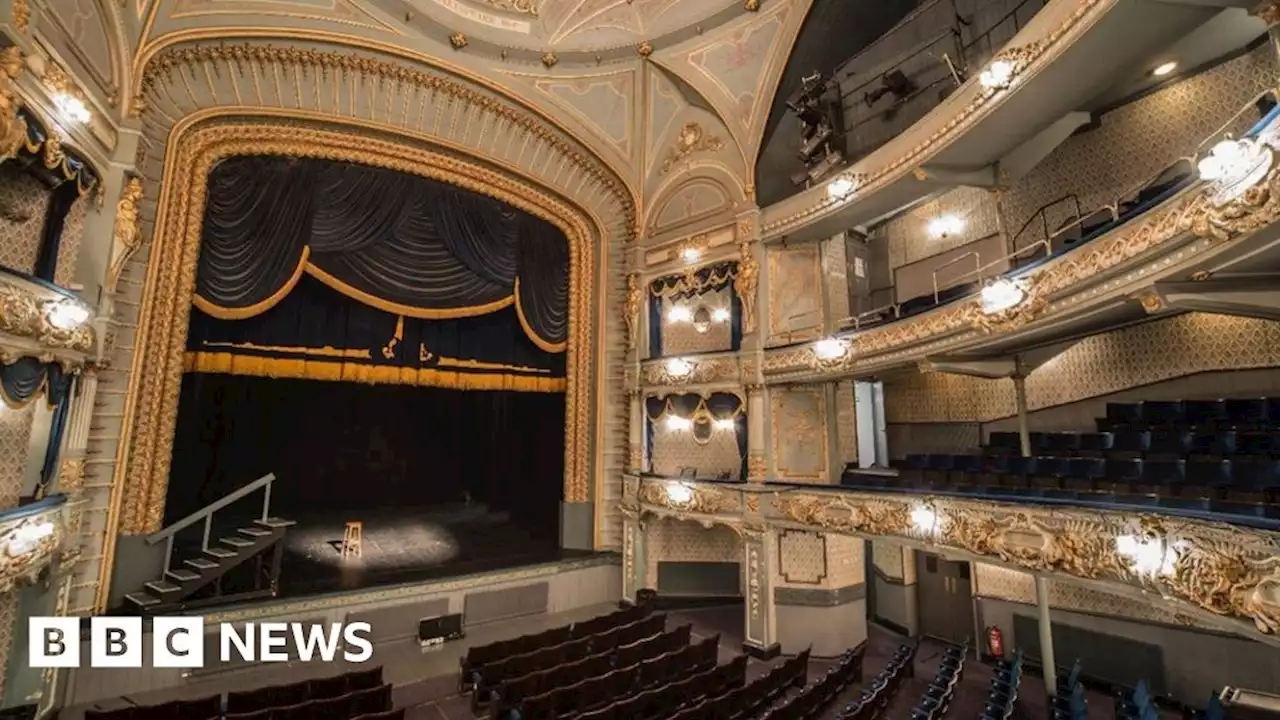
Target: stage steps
(180, 583)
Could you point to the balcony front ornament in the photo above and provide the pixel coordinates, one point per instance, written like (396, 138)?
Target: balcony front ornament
(13, 128)
(1006, 305)
(681, 371)
(28, 312)
(28, 545)
(686, 499)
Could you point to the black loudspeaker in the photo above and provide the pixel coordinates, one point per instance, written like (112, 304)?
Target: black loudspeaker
(439, 630)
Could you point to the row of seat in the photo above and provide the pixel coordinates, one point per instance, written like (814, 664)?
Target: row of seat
(482, 655)
(814, 699)
(1221, 413)
(1137, 704)
(354, 693)
(512, 692)
(594, 692)
(666, 702)
(1002, 697)
(748, 701)
(487, 678)
(1097, 474)
(1174, 443)
(1069, 702)
(937, 697)
(883, 687)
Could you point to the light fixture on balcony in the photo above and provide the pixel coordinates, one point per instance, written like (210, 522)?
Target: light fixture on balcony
(68, 315)
(702, 319)
(1164, 69)
(997, 76)
(1235, 166)
(924, 519)
(841, 188)
(1001, 295)
(725, 424)
(828, 349)
(28, 538)
(1147, 555)
(946, 225)
(679, 367)
(690, 254)
(679, 493)
(679, 313)
(720, 315)
(679, 424)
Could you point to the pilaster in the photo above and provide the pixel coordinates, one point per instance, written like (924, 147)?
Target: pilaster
(633, 555)
(636, 457)
(758, 445)
(759, 547)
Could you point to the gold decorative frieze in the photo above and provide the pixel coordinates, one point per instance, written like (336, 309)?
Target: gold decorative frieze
(50, 320)
(691, 140)
(757, 466)
(690, 371)
(29, 544)
(687, 498)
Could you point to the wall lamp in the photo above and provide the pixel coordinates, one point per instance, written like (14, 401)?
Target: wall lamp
(997, 76)
(1000, 295)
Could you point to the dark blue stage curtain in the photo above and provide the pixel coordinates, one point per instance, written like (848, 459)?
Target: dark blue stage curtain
(699, 409)
(317, 333)
(350, 449)
(403, 244)
(59, 393)
(711, 278)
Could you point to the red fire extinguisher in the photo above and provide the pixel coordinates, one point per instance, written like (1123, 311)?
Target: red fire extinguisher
(995, 642)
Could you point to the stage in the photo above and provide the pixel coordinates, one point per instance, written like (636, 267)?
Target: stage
(404, 545)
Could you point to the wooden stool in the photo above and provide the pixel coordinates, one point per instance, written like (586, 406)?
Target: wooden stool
(353, 540)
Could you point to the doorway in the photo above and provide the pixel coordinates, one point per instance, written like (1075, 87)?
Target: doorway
(873, 439)
(945, 597)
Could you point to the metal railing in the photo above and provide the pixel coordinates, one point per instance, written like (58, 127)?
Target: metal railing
(977, 263)
(870, 317)
(206, 514)
(998, 33)
(979, 273)
(1042, 214)
(1224, 131)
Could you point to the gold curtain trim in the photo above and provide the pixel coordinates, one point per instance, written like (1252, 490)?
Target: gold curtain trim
(406, 310)
(528, 330)
(691, 283)
(244, 313)
(327, 370)
(326, 351)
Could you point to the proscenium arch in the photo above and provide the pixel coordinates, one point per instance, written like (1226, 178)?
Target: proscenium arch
(196, 144)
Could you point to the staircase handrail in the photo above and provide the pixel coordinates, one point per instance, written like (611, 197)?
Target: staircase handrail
(1040, 214)
(977, 265)
(215, 506)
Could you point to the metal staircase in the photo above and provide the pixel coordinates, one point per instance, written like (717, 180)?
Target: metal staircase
(187, 586)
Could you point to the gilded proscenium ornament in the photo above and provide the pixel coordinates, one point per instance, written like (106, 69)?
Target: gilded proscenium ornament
(747, 284)
(127, 232)
(701, 371)
(13, 128)
(644, 49)
(550, 59)
(156, 377)
(635, 303)
(691, 140)
(458, 40)
(26, 310)
(58, 82)
(71, 477)
(324, 63)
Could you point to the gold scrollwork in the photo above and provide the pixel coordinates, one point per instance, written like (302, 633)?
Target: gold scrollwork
(697, 372)
(127, 232)
(71, 477)
(21, 15)
(757, 466)
(156, 375)
(635, 302)
(697, 500)
(747, 284)
(25, 312)
(22, 559)
(691, 140)
(13, 129)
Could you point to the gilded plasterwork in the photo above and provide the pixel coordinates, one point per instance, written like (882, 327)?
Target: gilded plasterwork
(795, 294)
(701, 371)
(799, 425)
(157, 369)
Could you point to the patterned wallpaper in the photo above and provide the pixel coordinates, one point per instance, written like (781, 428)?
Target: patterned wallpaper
(681, 338)
(835, 277)
(846, 421)
(1130, 145)
(9, 603)
(1099, 365)
(799, 425)
(993, 581)
(15, 437)
(795, 294)
(887, 558)
(817, 561)
(675, 449)
(71, 241)
(681, 541)
(23, 201)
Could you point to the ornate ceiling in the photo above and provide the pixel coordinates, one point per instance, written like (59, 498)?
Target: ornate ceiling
(574, 25)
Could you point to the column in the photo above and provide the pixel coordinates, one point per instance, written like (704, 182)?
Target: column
(835, 454)
(819, 592)
(1046, 637)
(910, 592)
(633, 555)
(1020, 398)
(757, 551)
(758, 445)
(636, 461)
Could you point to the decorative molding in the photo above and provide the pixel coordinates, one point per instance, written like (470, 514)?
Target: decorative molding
(747, 283)
(785, 548)
(26, 311)
(691, 140)
(700, 500)
(127, 232)
(30, 543)
(458, 40)
(20, 14)
(550, 59)
(702, 371)
(528, 7)
(636, 296)
(13, 128)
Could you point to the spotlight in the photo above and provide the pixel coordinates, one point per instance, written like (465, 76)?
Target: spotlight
(997, 76)
(68, 315)
(720, 315)
(924, 519)
(679, 313)
(840, 188)
(830, 349)
(1001, 295)
(1164, 69)
(675, 422)
(945, 225)
(679, 493)
(71, 108)
(679, 367)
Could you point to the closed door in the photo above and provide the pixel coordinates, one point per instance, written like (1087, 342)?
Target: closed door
(946, 598)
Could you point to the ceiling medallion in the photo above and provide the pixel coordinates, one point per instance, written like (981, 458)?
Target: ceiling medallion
(549, 60)
(528, 7)
(458, 40)
(645, 49)
(751, 5)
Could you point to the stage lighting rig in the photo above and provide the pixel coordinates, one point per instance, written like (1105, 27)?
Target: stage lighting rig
(893, 83)
(819, 115)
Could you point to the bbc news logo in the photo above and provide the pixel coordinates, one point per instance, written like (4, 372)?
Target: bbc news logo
(178, 642)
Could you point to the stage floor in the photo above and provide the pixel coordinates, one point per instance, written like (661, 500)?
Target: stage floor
(403, 545)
